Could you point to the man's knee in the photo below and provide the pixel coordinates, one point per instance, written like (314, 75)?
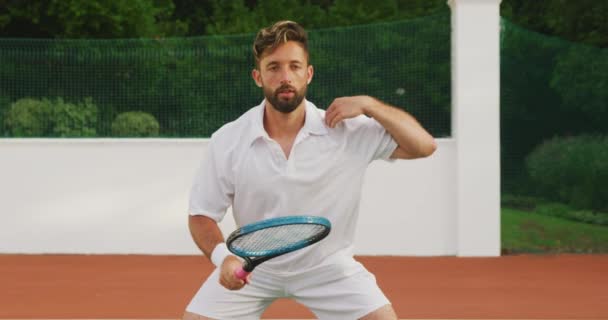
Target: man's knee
(385, 312)
(193, 316)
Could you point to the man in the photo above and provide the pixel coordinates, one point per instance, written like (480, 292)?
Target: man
(287, 157)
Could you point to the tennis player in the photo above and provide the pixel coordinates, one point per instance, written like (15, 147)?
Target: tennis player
(288, 157)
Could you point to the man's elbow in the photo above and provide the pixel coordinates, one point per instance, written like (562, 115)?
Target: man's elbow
(421, 150)
(428, 148)
(425, 149)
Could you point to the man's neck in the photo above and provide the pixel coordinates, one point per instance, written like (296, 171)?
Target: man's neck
(281, 125)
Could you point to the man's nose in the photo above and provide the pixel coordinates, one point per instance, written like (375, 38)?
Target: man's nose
(285, 76)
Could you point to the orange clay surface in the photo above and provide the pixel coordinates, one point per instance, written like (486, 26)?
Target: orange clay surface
(139, 286)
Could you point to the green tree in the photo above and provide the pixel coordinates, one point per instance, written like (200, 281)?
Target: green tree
(231, 17)
(135, 124)
(88, 19)
(580, 78)
(580, 21)
(549, 86)
(194, 14)
(352, 12)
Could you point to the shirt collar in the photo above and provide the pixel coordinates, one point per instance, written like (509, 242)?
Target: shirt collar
(313, 123)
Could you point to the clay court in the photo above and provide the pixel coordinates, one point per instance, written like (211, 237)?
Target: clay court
(159, 287)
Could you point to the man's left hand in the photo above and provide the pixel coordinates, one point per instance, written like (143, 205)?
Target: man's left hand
(345, 108)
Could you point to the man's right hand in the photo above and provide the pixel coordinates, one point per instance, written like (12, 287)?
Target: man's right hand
(228, 278)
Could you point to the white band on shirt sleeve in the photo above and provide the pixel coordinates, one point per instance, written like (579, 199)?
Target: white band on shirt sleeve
(219, 254)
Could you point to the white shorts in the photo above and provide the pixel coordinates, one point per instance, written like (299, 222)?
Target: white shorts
(338, 291)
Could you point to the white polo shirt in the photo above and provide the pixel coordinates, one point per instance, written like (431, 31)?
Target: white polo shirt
(246, 169)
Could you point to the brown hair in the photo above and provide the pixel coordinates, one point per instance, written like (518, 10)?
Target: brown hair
(271, 37)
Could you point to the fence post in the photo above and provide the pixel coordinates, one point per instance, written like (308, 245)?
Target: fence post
(476, 124)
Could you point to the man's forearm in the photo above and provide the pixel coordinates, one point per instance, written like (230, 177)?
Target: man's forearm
(411, 137)
(205, 232)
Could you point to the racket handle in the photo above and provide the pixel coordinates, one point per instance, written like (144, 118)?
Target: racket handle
(241, 274)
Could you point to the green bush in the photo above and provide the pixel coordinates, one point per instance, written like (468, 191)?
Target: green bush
(47, 118)
(526, 203)
(135, 124)
(28, 118)
(554, 209)
(5, 103)
(589, 217)
(74, 120)
(573, 170)
(566, 212)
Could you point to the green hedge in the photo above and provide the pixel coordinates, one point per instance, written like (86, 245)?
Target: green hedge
(573, 170)
(135, 124)
(74, 120)
(554, 209)
(194, 85)
(29, 117)
(5, 103)
(549, 87)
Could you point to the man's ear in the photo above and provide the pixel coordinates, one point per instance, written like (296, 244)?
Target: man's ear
(257, 77)
(310, 72)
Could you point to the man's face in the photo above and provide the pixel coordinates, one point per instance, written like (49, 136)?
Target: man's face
(284, 75)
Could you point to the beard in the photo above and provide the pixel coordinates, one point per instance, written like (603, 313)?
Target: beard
(285, 105)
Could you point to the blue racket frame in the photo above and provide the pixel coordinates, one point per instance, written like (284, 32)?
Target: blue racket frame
(252, 259)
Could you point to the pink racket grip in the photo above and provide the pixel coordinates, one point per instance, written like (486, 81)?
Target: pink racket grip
(241, 274)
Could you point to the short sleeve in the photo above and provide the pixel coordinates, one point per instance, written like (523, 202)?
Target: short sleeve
(212, 191)
(369, 139)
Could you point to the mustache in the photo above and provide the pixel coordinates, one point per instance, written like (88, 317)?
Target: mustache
(285, 88)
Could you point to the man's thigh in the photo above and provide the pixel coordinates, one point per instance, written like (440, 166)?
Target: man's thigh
(341, 292)
(385, 312)
(213, 301)
(193, 316)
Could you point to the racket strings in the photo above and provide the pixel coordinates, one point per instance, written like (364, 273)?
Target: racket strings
(277, 238)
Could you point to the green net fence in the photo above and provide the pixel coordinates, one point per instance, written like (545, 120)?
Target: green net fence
(550, 88)
(189, 87)
(554, 144)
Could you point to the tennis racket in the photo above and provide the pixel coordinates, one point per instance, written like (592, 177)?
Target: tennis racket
(263, 240)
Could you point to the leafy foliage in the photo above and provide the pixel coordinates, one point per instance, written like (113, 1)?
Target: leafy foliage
(88, 19)
(567, 212)
(573, 170)
(529, 106)
(29, 117)
(581, 21)
(73, 120)
(536, 233)
(170, 18)
(549, 87)
(580, 78)
(5, 103)
(194, 85)
(231, 17)
(135, 124)
(554, 209)
(406, 64)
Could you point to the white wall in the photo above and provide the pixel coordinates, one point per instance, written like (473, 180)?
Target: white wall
(130, 196)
